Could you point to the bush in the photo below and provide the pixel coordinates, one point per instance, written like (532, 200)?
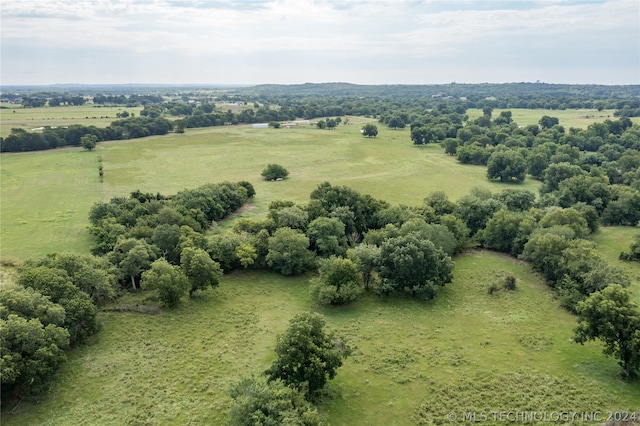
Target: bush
(258, 402)
(274, 172)
(508, 282)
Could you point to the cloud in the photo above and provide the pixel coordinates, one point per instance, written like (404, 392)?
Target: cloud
(286, 38)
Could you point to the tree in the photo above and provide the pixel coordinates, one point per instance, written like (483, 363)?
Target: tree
(502, 230)
(450, 146)
(246, 254)
(556, 173)
(292, 217)
(610, 315)
(509, 166)
(223, 249)
(31, 352)
(475, 211)
(132, 256)
(289, 252)
(274, 172)
(369, 130)
(570, 217)
(327, 236)
(260, 402)
(80, 313)
(519, 200)
(544, 251)
(537, 163)
(338, 282)
(409, 262)
(438, 234)
(88, 142)
(93, 275)
(547, 122)
(396, 122)
(167, 238)
(169, 280)
(28, 303)
(307, 355)
(421, 135)
(439, 201)
(366, 257)
(200, 269)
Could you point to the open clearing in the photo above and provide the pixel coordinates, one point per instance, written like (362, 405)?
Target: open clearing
(414, 362)
(578, 118)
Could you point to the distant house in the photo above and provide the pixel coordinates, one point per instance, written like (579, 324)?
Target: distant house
(260, 125)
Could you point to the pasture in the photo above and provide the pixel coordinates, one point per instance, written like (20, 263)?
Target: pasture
(413, 362)
(578, 118)
(49, 193)
(87, 115)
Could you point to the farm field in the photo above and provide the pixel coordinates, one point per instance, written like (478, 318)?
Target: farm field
(49, 193)
(413, 362)
(87, 115)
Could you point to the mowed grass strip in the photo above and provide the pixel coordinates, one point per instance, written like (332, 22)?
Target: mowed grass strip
(413, 361)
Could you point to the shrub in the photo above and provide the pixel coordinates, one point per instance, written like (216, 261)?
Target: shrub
(508, 282)
(258, 402)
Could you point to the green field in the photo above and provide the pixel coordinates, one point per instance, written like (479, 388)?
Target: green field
(49, 193)
(578, 118)
(413, 361)
(87, 115)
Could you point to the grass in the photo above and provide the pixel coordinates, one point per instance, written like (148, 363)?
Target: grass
(578, 118)
(88, 115)
(413, 361)
(49, 193)
(46, 198)
(612, 240)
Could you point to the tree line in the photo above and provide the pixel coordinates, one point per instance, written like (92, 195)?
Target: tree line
(21, 140)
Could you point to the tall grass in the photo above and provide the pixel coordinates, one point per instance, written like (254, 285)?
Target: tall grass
(413, 361)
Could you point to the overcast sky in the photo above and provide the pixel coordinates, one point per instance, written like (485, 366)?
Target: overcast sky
(297, 41)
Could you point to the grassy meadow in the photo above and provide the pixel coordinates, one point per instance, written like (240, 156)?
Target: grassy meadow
(578, 118)
(87, 115)
(49, 193)
(413, 363)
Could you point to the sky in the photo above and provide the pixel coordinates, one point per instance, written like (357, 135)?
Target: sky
(298, 41)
